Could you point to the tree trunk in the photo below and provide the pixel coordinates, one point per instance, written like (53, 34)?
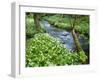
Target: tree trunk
(79, 49)
(36, 21)
(76, 41)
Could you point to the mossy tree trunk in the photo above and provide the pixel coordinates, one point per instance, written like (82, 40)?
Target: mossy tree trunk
(79, 49)
(76, 41)
(36, 21)
(73, 23)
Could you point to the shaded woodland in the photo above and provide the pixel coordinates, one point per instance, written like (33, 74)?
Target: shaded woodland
(56, 39)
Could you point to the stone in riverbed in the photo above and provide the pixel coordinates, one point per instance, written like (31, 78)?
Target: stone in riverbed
(65, 34)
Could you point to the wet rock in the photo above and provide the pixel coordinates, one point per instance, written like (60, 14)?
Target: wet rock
(65, 33)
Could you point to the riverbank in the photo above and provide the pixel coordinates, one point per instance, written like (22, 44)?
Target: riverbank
(50, 41)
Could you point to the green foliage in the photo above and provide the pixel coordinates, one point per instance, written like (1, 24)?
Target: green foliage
(44, 50)
(30, 27)
(58, 21)
(81, 26)
(82, 56)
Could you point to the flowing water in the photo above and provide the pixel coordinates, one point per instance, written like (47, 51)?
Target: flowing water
(65, 37)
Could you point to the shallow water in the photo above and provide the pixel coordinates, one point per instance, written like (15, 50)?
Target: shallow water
(65, 37)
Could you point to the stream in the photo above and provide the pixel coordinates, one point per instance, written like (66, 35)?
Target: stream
(65, 37)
